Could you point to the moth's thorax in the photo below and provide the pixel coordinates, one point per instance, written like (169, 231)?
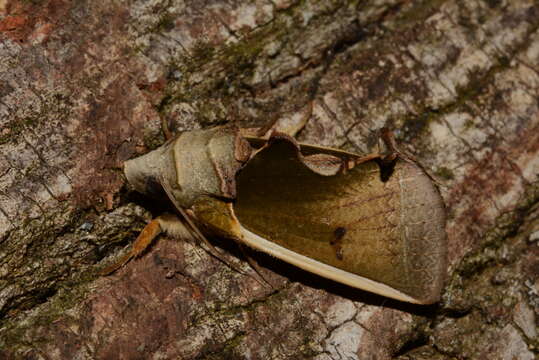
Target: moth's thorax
(194, 164)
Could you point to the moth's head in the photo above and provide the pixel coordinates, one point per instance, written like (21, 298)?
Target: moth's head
(145, 172)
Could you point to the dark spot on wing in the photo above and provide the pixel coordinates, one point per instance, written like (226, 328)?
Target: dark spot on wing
(336, 242)
(339, 233)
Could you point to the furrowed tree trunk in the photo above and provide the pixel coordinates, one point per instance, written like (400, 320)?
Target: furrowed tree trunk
(86, 85)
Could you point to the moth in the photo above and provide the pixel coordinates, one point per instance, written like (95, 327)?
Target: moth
(374, 222)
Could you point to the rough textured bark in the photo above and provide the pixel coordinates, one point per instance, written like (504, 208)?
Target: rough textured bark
(85, 85)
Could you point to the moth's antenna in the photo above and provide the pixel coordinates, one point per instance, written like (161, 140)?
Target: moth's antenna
(254, 265)
(185, 216)
(212, 250)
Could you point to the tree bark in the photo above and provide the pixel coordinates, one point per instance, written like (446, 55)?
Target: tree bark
(86, 85)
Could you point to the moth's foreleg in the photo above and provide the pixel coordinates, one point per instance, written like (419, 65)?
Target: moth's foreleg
(175, 227)
(144, 239)
(168, 223)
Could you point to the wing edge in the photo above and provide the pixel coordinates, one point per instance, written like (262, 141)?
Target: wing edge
(257, 242)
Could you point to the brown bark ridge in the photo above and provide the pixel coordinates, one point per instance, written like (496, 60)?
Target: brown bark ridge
(85, 85)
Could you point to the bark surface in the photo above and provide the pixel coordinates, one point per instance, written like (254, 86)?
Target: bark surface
(85, 85)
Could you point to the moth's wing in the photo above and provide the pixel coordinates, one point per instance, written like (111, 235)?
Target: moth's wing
(386, 237)
(306, 149)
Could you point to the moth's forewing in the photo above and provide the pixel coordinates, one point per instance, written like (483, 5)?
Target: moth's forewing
(306, 149)
(387, 237)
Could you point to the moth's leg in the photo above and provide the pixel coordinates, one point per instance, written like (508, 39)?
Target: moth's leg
(166, 130)
(167, 223)
(388, 138)
(144, 239)
(254, 265)
(174, 227)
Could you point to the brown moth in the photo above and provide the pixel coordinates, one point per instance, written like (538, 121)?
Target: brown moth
(372, 222)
